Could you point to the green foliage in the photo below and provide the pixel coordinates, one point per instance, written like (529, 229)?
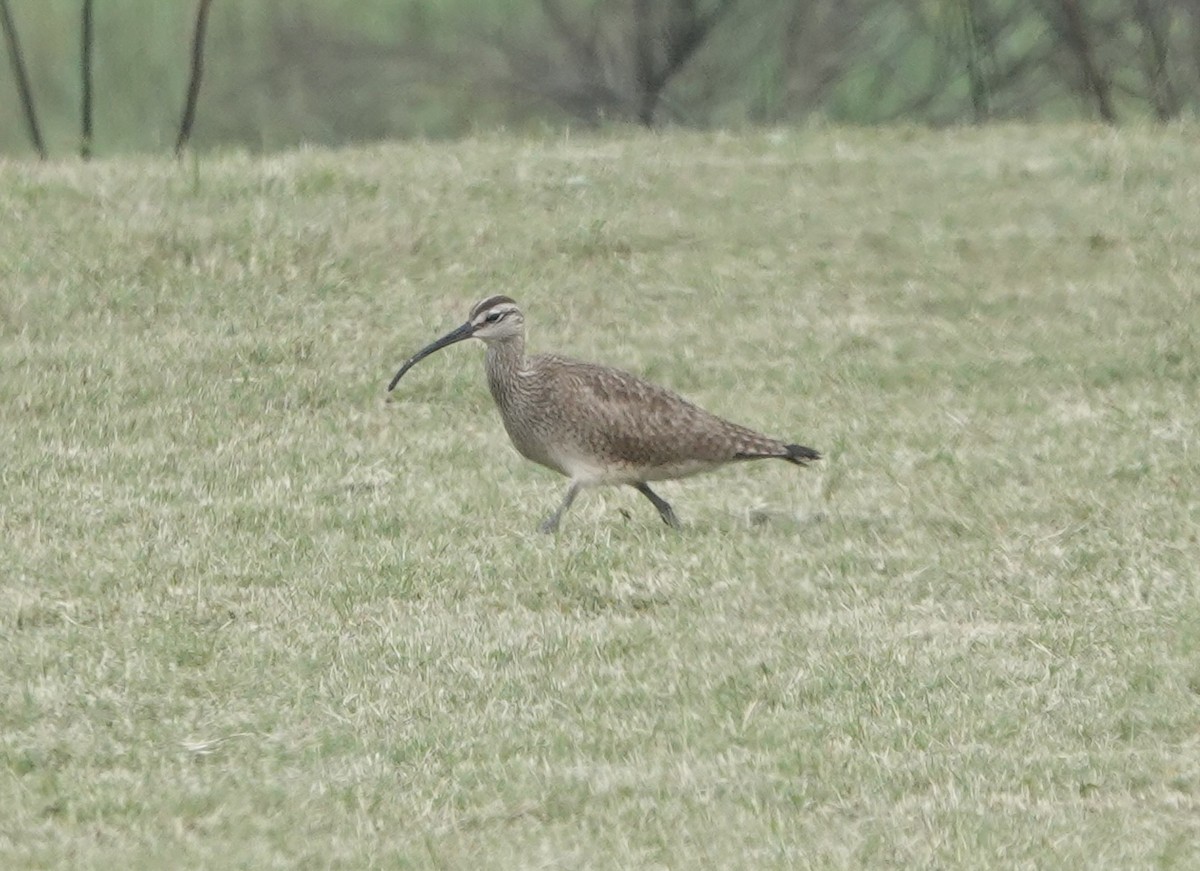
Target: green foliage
(257, 614)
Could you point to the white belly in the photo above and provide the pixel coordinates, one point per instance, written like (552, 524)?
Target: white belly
(591, 473)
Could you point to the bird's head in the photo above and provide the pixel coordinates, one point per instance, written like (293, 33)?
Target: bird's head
(494, 319)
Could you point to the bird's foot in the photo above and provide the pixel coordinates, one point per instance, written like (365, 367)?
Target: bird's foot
(662, 505)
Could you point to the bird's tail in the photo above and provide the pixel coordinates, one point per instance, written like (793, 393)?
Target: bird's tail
(766, 449)
(800, 455)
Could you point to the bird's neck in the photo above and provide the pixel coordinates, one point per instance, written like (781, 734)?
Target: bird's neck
(504, 363)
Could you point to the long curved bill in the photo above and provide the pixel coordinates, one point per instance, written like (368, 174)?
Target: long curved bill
(463, 332)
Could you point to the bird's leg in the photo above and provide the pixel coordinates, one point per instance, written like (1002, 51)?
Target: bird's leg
(664, 508)
(550, 524)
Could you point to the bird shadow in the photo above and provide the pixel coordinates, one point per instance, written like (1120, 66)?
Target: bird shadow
(752, 518)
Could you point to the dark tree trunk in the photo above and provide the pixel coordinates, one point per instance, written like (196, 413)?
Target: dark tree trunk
(85, 67)
(661, 51)
(193, 90)
(976, 78)
(1162, 94)
(22, 79)
(643, 62)
(1073, 29)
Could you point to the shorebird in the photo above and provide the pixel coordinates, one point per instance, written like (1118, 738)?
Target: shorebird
(595, 424)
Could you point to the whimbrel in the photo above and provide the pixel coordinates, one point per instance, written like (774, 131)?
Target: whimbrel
(595, 424)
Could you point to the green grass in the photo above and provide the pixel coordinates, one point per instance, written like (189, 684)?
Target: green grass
(256, 614)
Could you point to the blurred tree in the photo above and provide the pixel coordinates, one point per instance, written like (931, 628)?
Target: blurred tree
(1154, 20)
(666, 35)
(818, 42)
(978, 37)
(618, 58)
(976, 49)
(281, 72)
(1072, 27)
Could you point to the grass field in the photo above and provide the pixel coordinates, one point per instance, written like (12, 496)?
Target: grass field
(256, 613)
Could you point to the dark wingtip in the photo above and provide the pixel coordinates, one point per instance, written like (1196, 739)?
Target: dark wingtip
(801, 455)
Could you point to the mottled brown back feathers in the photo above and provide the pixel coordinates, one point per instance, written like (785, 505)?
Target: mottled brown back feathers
(623, 419)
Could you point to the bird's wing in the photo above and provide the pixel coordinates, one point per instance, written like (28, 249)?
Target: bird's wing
(643, 423)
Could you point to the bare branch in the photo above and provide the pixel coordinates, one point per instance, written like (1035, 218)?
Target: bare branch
(85, 68)
(22, 79)
(193, 91)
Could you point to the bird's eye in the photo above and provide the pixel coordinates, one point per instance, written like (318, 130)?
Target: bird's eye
(493, 317)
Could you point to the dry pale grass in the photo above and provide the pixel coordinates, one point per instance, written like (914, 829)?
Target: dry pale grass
(255, 615)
